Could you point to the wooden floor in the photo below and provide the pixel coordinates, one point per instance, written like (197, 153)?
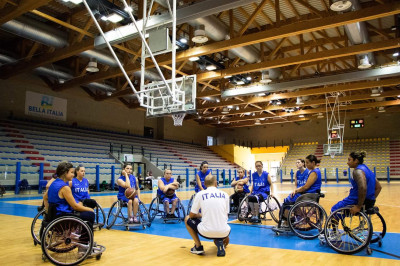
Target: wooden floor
(169, 244)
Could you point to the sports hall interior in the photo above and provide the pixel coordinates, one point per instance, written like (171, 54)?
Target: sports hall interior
(264, 71)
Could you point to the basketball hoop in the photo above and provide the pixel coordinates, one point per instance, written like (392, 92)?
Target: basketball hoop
(178, 118)
(332, 154)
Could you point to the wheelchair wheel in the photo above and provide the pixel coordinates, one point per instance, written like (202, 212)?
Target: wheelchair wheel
(274, 208)
(113, 214)
(347, 233)
(306, 219)
(67, 241)
(144, 215)
(243, 210)
(379, 226)
(36, 227)
(190, 203)
(100, 217)
(154, 208)
(180, 211)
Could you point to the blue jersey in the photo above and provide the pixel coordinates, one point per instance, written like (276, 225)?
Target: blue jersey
(370, 179)
(316, 187)
(245, 186)
(121, 190)
(80, 189)
(202, 178)
(260, 184)
(302, 177)
(53, 198)
(159, 191)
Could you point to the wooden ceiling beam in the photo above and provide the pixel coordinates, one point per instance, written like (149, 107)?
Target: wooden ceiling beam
(12, 12)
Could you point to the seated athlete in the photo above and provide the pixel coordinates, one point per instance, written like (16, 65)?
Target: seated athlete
(166, 184)
(125, 181)
(365, 187)
(260, 189)
(60, 195)
(300, 178)
(201, 175)
(80, 188)
(241, 187)
(312, 184)
(212, 222)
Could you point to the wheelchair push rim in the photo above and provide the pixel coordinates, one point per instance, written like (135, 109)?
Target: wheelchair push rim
(67, 241)
(36, 227)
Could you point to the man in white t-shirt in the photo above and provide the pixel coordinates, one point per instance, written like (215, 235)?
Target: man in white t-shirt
(214, 205)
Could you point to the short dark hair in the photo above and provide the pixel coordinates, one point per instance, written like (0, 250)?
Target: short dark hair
(63, 168)
(359, 155)
(313, 158)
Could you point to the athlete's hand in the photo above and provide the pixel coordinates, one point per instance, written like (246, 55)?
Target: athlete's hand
(355, 209)
(123, 172)
(294, 193)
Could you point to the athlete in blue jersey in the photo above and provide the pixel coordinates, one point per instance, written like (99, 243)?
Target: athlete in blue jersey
(167, 184)
(80, 188)
(60, 195)
(260, 189)
(365, 187)
(241, 187)
(201, 176)
(125, 181)
(312, 184)
(300, 178)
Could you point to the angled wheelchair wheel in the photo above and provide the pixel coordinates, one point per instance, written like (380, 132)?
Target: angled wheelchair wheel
(348, 233)
(113, 214)
(306, 219)
(273, 208)
(243, 210)
(379, 226)
(67, 241)
(144, 215)
(36, 227)
(190, 203)
(180, 211)
(154, 208)
(100, 217)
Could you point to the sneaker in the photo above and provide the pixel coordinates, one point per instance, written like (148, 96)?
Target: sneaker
(198, 251)
(135, 220)
(130, 221)
(255, 220)
(220, 246)
(173, 216)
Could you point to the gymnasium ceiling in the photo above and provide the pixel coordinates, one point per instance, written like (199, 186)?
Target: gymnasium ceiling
(302, 44)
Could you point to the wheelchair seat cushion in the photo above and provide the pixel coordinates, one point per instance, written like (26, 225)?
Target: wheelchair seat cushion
(308, 196)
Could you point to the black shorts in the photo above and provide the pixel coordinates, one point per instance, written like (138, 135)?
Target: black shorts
(193, 223)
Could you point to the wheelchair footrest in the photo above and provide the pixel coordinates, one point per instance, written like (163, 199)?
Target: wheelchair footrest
(285, 229)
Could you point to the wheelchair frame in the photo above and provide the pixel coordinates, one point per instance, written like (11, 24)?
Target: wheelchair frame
(264, 209)
(155, 210)
(115, 212)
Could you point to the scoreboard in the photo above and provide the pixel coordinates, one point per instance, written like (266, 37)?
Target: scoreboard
(357, 123)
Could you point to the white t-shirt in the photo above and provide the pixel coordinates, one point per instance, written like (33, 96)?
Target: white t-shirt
(214, 205)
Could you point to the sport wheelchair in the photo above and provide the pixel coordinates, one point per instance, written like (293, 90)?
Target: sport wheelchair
(67, 240)
(118, 216)
(305, 217)
(269, 206)
(350, 233)
(157, 209)
(36, 225)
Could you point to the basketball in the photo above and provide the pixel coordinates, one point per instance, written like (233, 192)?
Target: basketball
(130, 193)
(239, 188)
(176, 186)
(170, 192)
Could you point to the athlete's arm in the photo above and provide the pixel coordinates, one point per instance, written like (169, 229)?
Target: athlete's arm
(295, 179)
(70, 183)
(198, 181)
(270, 185)
(359, 177)
(67, 195)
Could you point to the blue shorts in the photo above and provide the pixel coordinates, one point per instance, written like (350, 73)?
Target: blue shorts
(125, 199)
(291, 199)
(341, 204)
(164, 198)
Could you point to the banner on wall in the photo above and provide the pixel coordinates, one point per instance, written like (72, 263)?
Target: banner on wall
(46, 106)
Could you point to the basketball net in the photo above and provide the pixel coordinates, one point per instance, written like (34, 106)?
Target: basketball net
(178, 119)
(332, 154)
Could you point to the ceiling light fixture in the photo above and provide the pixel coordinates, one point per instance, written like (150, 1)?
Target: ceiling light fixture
(248, 77)
(381, 109)
(76, 2)
(194, 58)
(92, 66)
(301, 116)
(225, 111)
(240, 82)
(114, 17)
(128, 9)
(109, 93)
(299, 101)
(183, 40)
(200, 34)
(211, 67)
(340, 5)
(258, 122)
(364, 63)
(375, 92)
(227, 76)
(395, 54)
